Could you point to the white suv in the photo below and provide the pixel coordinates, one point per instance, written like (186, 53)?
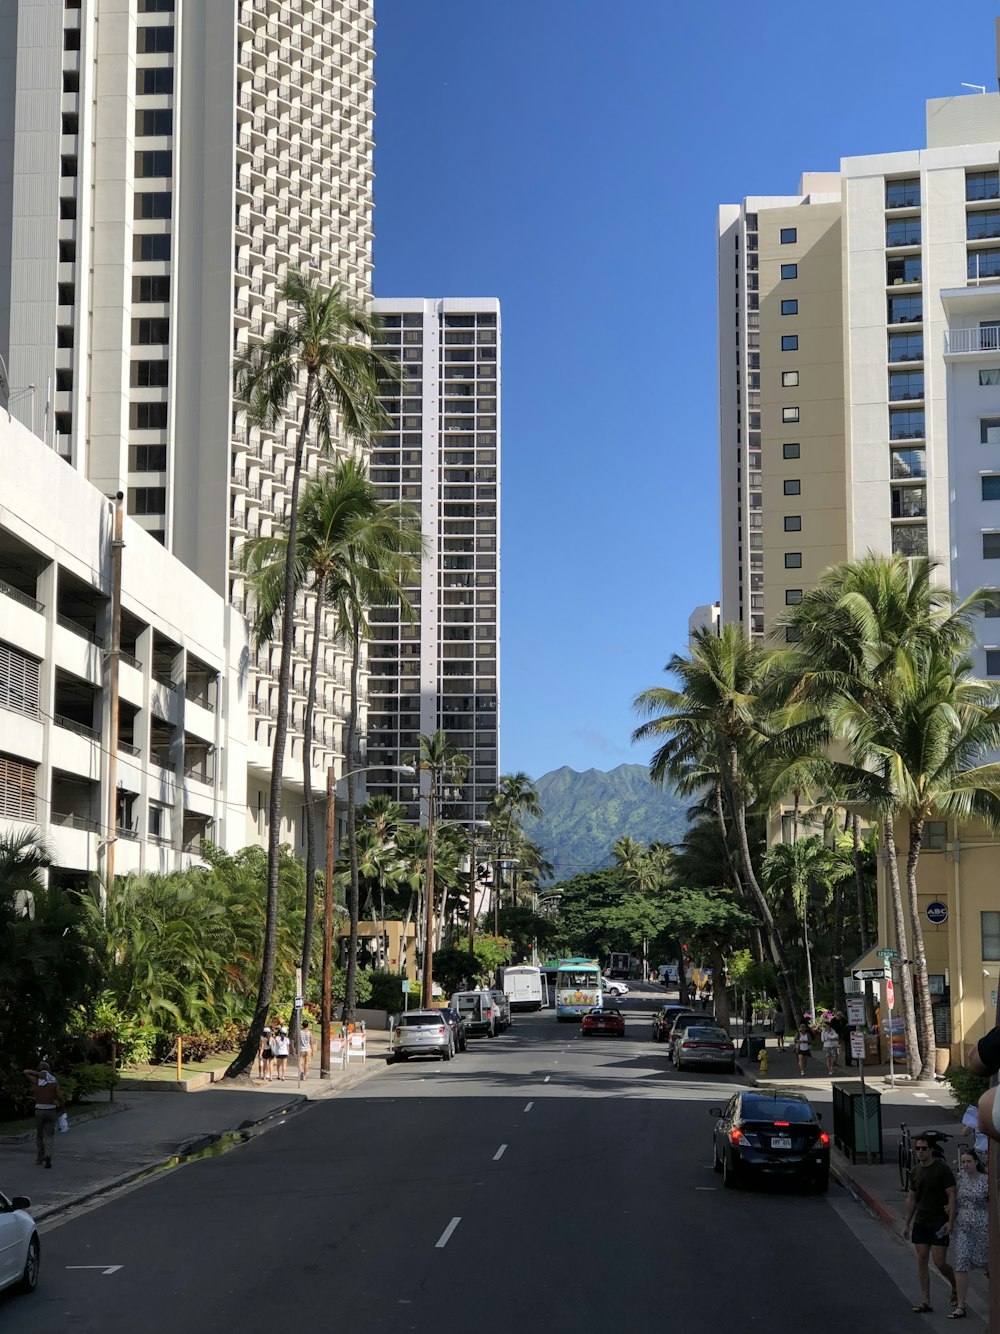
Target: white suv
(421, 1033)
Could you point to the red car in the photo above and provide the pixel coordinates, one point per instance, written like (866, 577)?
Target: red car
(607, 1020)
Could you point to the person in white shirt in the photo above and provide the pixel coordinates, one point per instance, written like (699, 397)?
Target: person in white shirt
(831, 1046)
(305, 1049)
(281, 1047)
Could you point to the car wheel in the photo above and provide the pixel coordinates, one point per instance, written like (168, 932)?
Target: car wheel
(729, 1179)
(679, 1064)
(447, 1053)
(716, 1161)
(29, 1279)
(390, 1060)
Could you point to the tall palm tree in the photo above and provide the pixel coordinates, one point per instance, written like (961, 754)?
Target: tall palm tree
(714, 728)
(319, 362)
(442, 763)
(798, 870)
(352, 548)
(515, 796)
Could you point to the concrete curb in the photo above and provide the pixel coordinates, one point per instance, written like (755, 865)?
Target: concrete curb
(876, 1207)
(92, 1114)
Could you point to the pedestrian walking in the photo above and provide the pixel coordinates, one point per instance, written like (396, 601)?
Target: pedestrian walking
(778, 1025)
(281, 1047)
(305, 1049)
(266, 1054)
(803, 1046)
(930, 1217)
(972, 1224)
(831, 1046)
(49, 1101)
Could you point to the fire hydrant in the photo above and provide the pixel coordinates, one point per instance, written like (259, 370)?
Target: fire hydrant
(762, 1060)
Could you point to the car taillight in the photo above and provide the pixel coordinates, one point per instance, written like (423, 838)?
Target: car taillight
(689, 1044)
(735, 1135)
(781, 1123)
(441, 1030)
(824, 1138)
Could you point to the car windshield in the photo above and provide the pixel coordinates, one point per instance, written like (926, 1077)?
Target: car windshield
(419, 1020)
(468, 1002)
(572, 979)
(776, 1109)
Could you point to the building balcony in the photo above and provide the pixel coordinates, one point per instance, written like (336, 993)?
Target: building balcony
(963, 342)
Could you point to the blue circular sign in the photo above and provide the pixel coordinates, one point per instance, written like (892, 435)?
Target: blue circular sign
(937, 912)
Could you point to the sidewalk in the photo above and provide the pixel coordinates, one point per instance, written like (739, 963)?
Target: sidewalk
(876, 1186)
(143, 1131)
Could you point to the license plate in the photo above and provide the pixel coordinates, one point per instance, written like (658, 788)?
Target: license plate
(781, 1142)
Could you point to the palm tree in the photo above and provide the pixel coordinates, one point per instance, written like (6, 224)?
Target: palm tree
(352, 548)
(797, 870)
(319, 359)
(515, 796)
(442, 763)
(714, 728)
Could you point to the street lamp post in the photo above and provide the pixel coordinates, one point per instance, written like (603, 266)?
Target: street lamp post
(473, 878)
(324, 1022)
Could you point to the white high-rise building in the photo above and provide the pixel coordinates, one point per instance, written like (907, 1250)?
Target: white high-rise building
(163, 164)
(442, 454)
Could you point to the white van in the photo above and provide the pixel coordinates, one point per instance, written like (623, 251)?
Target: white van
(479, 1010)
(522, 985)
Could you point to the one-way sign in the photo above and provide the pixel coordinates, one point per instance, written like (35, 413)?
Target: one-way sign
(869, 974)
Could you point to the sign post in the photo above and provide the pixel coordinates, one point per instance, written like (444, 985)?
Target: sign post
(856, 1017)
(406, 994)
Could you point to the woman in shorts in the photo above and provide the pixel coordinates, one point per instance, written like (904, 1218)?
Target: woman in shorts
(266, 1055)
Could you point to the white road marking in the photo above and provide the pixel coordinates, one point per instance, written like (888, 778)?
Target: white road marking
(445, 1236)
(706, 1188)
(500, 1153)
(105, 1269)
(529, 1106)
(546, 1079)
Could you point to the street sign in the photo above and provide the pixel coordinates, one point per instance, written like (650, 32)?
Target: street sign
(855, 1009)
(890, 995)
(887, 953)
(406, 986)
(937, 912)
(857, 1046)
(869, 974)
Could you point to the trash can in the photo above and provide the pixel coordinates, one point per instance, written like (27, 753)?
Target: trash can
(755, 1045)
(857, 1119)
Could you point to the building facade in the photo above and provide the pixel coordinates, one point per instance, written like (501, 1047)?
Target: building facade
(442, 454)
(169, 161)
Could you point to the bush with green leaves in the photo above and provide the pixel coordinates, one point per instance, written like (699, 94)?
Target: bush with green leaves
(966, 1088)
(386, 991)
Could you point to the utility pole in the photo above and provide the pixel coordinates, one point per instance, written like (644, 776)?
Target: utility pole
(427, 984)
(324, 1023)
(114, 656)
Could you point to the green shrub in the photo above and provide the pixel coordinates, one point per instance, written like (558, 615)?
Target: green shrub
(386, 991)
(966, 1088)
(85, 1079)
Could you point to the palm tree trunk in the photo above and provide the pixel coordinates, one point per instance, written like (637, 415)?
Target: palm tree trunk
(809, 964)
(913, 1061)
(248, 1052)
(739, 817)
(859, 882)
(719, 993)
(351, 982)
(307, 738)
(839, 993)
(926, 1011)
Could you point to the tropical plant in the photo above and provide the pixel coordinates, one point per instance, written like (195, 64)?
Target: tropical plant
(442, 763)
(318, 361)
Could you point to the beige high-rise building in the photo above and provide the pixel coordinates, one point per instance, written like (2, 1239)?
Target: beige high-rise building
(163, 164)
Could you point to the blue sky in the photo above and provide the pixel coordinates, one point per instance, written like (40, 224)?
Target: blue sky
(568, 157)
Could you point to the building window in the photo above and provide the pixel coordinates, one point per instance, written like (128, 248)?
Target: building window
(902, 269)
(991, 546)
(983, 264)
(789, 414)
(989, 430)
(155, 287)
(149, 458)
(158, 80)
(789, 342)
(905, 309)
(793, 523)
(789, 307)
(17, 789)
(791, 451)
(792, 486)
(789, 271)
(906, 347)
(792, 634)
(988, 377)
(156, 6)
(789, 379)
(154, 124)
(902, 231)
(150, 374)
(993, 662)
(906, 385)
(984, 225)
(152, 204)
(151, 40)
(788, 235)
(793, 596)
(990, 934)
(793, 560)
(906, 424)
(991, 486)
(151, 246)
(150, 331)
(910, 539)
(71, 39)
(982, 185)
(908, 502)
(148, 417)
(147, 500)
(159, 162)
(903, 193)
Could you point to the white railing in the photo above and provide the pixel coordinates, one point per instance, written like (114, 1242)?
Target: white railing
(972, 340)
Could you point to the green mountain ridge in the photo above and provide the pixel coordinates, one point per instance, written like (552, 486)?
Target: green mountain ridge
(583, 814)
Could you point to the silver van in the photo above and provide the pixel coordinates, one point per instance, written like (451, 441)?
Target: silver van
(479, 1010)
(421, 1033)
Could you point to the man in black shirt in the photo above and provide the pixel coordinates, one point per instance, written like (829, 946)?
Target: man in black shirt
(930, 1216)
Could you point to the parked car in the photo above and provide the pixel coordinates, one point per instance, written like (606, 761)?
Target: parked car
(663, 1020)
(768, 1134)
(457, 1025)
(705, 1046)
(20, 1249)
(502, 1002)
(479, 1010)
(421, 1033)
(682, 1022)
(614, 986)
(603, 1020)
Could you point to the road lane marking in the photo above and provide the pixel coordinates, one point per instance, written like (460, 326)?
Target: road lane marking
(500, 1153)
(706, 1188)
(105, 1269)
(546, 1079)
(445, 1236)
(529, 1106)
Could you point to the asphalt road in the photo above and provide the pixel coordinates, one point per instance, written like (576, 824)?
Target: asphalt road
(541, 1177)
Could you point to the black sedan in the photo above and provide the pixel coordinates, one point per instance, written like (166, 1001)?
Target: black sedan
(663, 1020)
(457, 1025)
(770, 1134)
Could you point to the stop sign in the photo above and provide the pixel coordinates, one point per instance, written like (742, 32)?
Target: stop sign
(889, 996)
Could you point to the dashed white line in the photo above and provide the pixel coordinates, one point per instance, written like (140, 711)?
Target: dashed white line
(500, 1153)
(529, 1106)
(445, 1236)
(546, 1079)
